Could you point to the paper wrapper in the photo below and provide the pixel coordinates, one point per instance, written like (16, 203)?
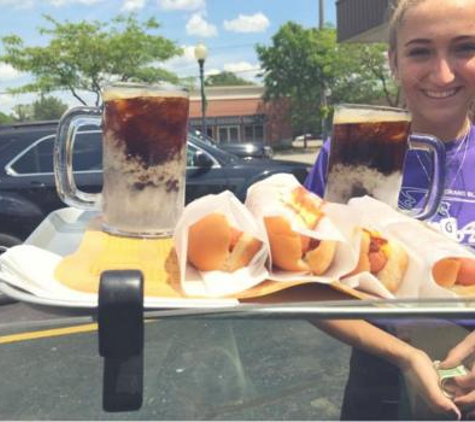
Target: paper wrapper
(425, 247)
(220, 283)
(266, 198)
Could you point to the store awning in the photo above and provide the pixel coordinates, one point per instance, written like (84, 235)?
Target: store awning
(362, 20)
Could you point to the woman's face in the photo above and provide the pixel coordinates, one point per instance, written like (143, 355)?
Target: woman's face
(435, 61)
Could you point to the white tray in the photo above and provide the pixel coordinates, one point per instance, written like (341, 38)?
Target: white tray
(61, 233)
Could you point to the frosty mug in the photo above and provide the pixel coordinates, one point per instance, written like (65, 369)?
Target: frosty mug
(368, 147)
(144, 135)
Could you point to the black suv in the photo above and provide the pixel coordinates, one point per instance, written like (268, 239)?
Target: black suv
(246, 150)
(27, 186)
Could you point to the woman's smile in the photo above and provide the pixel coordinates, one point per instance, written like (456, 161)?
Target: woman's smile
(441, 94)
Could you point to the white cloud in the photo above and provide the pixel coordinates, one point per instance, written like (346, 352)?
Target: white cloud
(248, 23)
(243, 69)
(18, 4)
(7, 101)
(26, 4)
(59, 3)
(185, 61)
(240, 67)
(133, 5)
(213, 71)
(182, 4)
(8, 73)
(198, 26)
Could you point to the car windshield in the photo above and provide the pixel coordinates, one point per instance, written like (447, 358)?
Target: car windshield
(202, 217)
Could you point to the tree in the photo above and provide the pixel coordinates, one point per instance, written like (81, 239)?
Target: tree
(23, 113)
(5, 119)
(303, 64)
(48, 108)
(86, 55)
(226, 79)
(366, 76)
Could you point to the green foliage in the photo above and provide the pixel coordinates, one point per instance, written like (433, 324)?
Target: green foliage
(188, 82)
(88, 54)
(48, 108)
(226, 79)
(23, 113)
(45, 108)
(5, 119)
(304, 63)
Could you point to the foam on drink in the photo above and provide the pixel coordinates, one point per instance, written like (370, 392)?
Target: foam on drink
(367, 153)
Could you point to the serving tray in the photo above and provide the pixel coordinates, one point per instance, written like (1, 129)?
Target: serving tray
(62, 233)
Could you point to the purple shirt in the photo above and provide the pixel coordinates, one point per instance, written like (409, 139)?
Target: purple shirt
(456, 215)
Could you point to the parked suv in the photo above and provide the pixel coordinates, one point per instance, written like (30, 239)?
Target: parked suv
(246, 150)
(27, 186)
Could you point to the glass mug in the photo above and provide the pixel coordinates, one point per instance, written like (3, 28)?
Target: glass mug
(144, 135)
(368, 147)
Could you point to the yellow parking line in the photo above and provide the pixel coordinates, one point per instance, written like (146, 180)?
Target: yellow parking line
(55, 332)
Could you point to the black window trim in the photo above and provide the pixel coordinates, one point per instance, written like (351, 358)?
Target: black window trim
(12, 172)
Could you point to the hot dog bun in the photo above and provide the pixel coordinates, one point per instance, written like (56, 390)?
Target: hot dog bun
(385, 258)
(213, 244)
(291, 251)
(456, 274)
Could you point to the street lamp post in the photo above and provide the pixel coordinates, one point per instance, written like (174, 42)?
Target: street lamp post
(201, 52)
(326, 92)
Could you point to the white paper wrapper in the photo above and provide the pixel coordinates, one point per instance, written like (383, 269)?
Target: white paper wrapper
(220, 283)
(32, 269)
(410, 285)
(264, 199)
(424, 245)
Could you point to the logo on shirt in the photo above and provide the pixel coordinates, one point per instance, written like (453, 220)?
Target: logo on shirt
(444, 222)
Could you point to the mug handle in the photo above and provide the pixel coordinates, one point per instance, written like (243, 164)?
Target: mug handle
(429, 143)
(68, 127)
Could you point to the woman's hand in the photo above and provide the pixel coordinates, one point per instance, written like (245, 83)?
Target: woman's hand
(421, 375)
(465, 394)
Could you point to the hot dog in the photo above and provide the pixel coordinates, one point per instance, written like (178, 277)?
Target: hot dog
(292, 251)
(214, 244)
(456, 274)
(385, 258)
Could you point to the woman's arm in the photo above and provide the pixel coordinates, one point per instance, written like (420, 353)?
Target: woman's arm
(365, 336)
(416, 366)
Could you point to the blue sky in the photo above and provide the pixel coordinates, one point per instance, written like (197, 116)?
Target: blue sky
(229, 28)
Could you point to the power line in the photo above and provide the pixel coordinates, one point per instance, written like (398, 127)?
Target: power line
(223, 47)
(257, 69)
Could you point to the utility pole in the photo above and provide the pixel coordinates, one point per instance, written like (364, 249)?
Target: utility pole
(321, 14)
(321, 18)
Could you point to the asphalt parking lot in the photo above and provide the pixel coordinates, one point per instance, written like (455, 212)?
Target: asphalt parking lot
(299, 153)
(194, 369)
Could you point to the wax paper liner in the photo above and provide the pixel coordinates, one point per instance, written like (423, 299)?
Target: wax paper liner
(266, 198)
(410, 284)
(220, 283)
(423, 243)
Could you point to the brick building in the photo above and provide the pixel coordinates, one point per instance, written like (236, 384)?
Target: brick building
(237, 114)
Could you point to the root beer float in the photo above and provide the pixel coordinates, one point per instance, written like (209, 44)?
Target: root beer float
(145, 134)
(367, 153)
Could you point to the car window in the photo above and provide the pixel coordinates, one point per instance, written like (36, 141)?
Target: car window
(87, 155)
(190, 154)
(191, 151)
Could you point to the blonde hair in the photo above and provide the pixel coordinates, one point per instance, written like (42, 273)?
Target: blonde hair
(397, 14)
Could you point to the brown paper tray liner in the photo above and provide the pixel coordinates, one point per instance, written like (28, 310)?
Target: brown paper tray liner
(157, 260)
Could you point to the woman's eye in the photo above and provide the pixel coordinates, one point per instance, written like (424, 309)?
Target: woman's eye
(465, 49)
(418, 52)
